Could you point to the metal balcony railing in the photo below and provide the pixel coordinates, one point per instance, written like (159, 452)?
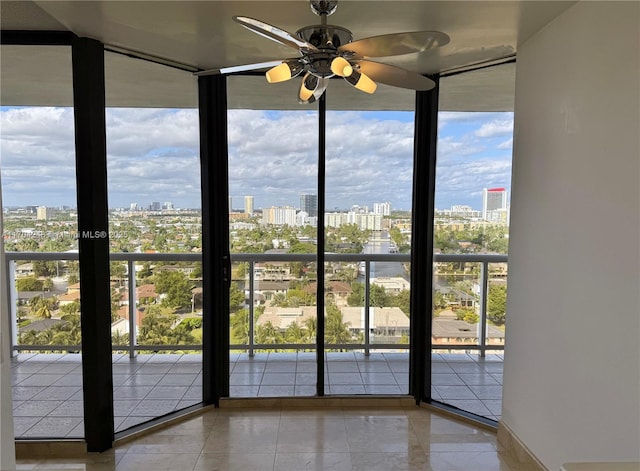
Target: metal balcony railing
(132, 258)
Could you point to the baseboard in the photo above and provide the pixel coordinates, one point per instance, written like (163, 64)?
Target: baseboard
(320, 402)
(511, 445)
(50, 448)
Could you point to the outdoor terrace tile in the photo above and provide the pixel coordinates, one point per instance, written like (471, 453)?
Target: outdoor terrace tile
(304, 390)
(378, 378)
(487, 392)
(243, 391)
(124, 407)
(382, 389)
(307, 379)
(276, 391)
(22, 424)
(35, 408)
(24, 393)
(131, 392)
(167, 392)
(273, 366)
(68, 409)
(280, 379)
(193, 393)
(346, 389)
(71, 379)
(41, 379)
(455, 392)
(245, 379)
(477, 379)
(128, 422)
(56, 392)
(178, 380)
(154, 407)
(446, 379)
(475, 406)
(249, 367)
(345, 378)
(143, 380)
(52, 426)
(335, 366)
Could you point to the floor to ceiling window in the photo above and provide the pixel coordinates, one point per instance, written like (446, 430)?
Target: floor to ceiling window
(40, 238)
(153, 177)
(272, 232)
(471, 235)
(368, 213)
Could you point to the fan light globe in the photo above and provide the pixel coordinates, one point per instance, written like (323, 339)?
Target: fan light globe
(283, 72)
(362, 82)
(340, 66)
(308, 86)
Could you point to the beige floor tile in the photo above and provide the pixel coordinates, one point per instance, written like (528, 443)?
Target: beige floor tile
(168, 444)
(465, 461)
(158, 462)
(313, 462)
(390, 462)
(235, 462)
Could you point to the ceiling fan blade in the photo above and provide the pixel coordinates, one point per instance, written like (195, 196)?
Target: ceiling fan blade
(395, 76)
(239, 68)
(274, 33)
(396, 44)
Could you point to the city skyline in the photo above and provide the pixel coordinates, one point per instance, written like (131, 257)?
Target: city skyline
(153, 156)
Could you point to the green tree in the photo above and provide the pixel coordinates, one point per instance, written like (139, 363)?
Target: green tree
(377, 295)
(44, 267)
(155, 328)
(468, 315)
(175, 285)
(268, 334)
(295, 334)
(497, 304)
(236, 298)
(30, 283)
(240, 327)
(336, 330)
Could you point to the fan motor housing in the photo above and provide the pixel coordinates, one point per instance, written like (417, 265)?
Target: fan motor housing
(325, 37)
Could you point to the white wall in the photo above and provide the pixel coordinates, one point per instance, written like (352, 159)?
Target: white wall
(7, 446)
(572, 359)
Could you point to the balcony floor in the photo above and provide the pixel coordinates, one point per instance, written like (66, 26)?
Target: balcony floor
(47, 388)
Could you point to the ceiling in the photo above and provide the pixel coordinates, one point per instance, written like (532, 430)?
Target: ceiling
(198, 35)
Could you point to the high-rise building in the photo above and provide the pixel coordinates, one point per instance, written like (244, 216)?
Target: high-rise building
(248, 205)
(155, 206)
(382, 208)
(230, 204)
(494, 204)
(279, 215)
(43, 213)
(309, 204)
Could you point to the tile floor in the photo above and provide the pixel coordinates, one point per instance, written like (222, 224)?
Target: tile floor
(337, 439)
(47, 388)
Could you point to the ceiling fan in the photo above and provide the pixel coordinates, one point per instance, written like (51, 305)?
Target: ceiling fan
(328, 51)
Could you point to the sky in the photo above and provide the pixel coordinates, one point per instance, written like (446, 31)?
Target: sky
(152, 155)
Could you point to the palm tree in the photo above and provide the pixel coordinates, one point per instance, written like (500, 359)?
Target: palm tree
(295, 334)
(336, 331)
(311, 326)
(240, 326)
(268, 334)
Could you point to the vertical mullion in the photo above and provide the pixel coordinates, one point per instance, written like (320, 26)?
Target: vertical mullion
(216, 265)
(93, 241)
(424, 169)
(322, 114)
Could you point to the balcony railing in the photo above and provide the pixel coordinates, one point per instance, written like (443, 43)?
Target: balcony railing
(484, 260)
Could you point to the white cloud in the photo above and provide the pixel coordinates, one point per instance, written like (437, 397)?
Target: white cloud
(153, 155)
(497, 127)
